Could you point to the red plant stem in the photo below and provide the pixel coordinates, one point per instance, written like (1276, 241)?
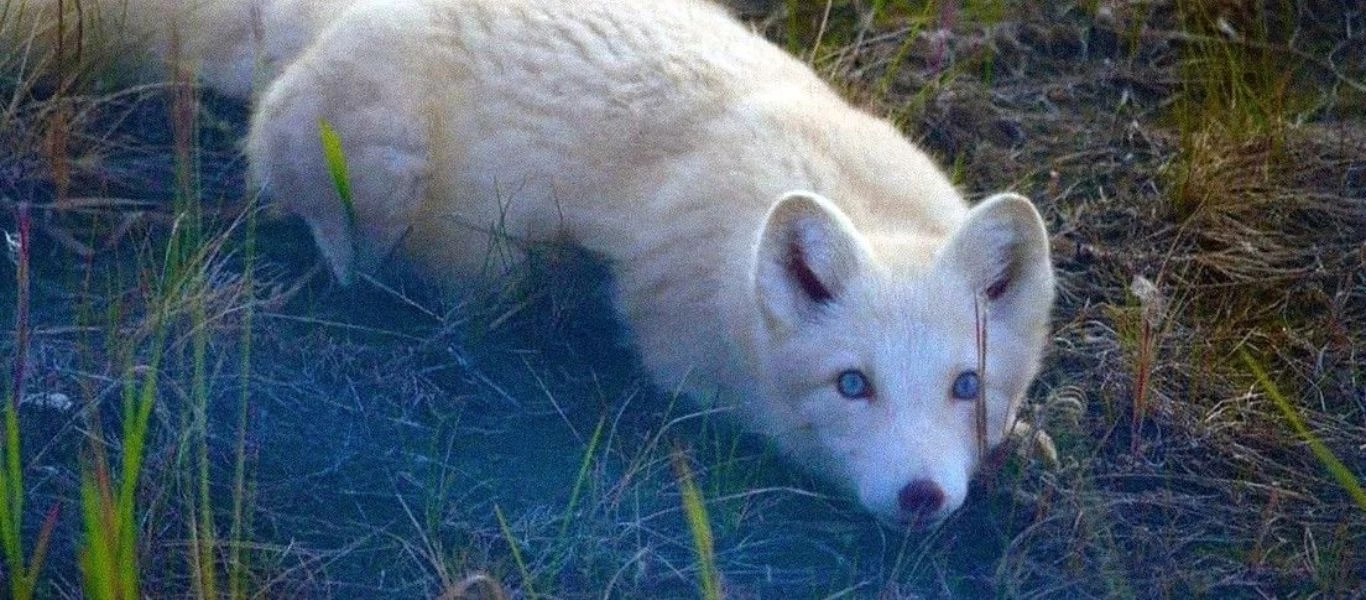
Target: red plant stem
(21, 306)
(1140, 409)
(948, 16)
(44, 540)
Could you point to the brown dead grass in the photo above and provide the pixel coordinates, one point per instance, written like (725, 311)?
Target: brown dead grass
(1184, 478)
(1212, 154)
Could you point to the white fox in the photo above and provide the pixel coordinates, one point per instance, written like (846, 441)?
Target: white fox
(772, 247)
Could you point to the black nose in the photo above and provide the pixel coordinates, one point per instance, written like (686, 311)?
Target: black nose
(920, 498)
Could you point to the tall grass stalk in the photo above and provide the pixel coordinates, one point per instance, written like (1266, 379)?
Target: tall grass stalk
(563, 539)
(1330, 461)
(1236, 92)
(335, 159)
(522, 569)
(180, 290)
(203, 534)
(1142, 331)
(23, 572)
(582, 477)
(107, 555)
(239, 527)
(695, 511)
(192, 257)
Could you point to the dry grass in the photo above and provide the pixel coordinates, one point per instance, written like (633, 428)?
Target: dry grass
(1202, 166)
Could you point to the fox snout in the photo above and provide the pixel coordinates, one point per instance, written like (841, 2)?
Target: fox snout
(915, 500)
(920, 502)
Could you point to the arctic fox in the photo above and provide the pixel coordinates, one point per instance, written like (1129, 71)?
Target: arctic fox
(772, 247)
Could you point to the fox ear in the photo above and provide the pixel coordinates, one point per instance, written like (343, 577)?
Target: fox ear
(808, 252)
(1002, 250)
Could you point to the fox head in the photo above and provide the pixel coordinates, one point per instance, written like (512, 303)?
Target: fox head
(871, 346)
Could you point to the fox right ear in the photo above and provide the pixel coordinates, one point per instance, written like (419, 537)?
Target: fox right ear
(807, 254)
(1002, 251)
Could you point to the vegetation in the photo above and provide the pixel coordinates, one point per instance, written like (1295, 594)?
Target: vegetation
(189, 411)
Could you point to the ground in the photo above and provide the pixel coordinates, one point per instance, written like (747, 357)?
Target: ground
(1201, 166)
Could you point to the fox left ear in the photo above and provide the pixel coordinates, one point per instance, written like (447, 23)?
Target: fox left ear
(1002, 250)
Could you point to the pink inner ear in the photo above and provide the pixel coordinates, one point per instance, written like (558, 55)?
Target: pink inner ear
(995, 290)
(800, 270)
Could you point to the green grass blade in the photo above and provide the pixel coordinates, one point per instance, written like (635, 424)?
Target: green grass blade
(40, 547)
(12, 473)
(121, 517)
(582, 477)
(96, 553)
(204, 539)
(335, 160)
(516, 553)
(12, 504)
(1330, 461)
(695, 510)
(237, 572)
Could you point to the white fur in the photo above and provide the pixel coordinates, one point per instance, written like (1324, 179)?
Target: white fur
(714, 173)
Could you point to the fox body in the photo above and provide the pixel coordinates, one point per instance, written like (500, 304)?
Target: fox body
(772, 247)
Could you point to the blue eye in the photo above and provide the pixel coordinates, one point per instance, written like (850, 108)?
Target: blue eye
(967, 386)
(853, 384)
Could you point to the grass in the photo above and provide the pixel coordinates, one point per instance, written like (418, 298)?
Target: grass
(23, 570)
(522, 570)
(108, 552)
(146, 328)
(240, 434)
(1236, 92)
(1335, 467)
(1140, 330)
(335, 159)
(695, 511)
(181, 319)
